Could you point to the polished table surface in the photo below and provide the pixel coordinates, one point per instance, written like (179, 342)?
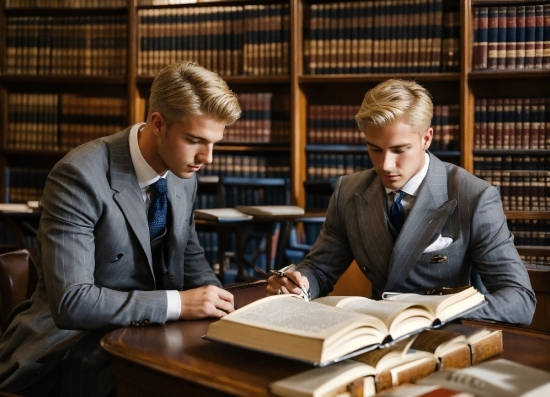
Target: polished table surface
(174, 360)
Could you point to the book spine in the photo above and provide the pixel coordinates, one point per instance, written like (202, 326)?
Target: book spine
(530, 35)
(481, 23)
(511, 37)
(492, 38)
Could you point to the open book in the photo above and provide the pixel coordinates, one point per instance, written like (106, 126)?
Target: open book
(271, 209)
(332, 328)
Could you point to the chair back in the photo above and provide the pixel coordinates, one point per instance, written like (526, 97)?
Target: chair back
(18, 279)
(233, 191)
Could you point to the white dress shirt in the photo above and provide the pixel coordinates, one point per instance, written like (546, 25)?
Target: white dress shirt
(411, 188)
(146, 176)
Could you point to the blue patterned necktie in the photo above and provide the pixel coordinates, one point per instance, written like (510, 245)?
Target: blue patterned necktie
(397, 214)
(158, 208)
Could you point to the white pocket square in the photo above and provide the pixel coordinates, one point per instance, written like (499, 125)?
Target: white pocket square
(440, 243)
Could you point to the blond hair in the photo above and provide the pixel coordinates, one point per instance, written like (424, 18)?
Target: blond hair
(393, 99)
(187, 89)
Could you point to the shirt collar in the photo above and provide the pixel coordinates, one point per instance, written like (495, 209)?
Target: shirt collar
(412, 185)
(146, 175)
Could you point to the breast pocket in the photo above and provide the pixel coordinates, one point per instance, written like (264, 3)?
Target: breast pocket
(443, 267)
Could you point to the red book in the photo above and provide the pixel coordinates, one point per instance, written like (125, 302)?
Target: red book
(491, 118)
(508, 123)
(499, 123)
(534, 125)
(526, 123)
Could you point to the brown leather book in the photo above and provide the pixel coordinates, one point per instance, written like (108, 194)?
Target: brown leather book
(451, 348)
(484, 343)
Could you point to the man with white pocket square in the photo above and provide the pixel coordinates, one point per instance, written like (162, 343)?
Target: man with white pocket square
(414, 223)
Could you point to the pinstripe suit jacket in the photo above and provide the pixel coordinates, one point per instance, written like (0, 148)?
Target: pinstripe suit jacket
(96, 266)
(450, 202)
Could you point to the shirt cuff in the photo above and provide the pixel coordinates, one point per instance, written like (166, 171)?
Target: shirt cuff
(173, 308)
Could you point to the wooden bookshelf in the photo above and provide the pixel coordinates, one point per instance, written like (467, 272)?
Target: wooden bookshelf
(460, 86)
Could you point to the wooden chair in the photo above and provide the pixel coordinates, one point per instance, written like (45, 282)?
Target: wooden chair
(18, 279)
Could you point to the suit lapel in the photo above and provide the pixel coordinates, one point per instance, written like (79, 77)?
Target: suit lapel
(373, 225)
(179, 213)
(127, 191)
(430, 211)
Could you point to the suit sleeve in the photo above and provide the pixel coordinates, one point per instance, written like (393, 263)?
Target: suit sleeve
(331, 254)
(90, 286)
(496, 259)
(197, 270)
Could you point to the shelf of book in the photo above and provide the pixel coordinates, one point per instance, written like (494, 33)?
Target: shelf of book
(316, 53)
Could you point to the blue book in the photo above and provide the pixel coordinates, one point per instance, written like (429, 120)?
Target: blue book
(492, 38)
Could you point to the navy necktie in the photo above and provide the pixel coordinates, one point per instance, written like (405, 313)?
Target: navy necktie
(397, 214)
(158, 208)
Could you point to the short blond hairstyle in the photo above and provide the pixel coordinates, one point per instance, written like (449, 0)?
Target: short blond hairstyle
(393, 99)
(184, 89)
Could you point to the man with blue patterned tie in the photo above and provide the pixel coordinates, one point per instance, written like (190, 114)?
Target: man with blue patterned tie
(414, 223)
(104, 262)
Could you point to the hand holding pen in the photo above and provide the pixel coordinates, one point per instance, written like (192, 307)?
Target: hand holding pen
(287, 274)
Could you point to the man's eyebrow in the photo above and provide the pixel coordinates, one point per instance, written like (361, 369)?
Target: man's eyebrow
(199, 138)
(391, 147)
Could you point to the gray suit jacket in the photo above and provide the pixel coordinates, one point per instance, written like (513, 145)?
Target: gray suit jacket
(96, 266)
(452, 203)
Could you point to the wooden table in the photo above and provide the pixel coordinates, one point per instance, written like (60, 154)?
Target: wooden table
(174, 360)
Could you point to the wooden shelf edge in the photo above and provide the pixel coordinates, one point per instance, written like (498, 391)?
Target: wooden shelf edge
(541, 215)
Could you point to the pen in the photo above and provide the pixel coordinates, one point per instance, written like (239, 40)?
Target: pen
(281, 273)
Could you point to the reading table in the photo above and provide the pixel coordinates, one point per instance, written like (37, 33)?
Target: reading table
(173, 359)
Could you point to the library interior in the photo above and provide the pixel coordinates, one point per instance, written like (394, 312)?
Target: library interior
(72, 71)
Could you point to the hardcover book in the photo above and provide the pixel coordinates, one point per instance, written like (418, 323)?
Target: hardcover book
(364, 375)
(350, 325)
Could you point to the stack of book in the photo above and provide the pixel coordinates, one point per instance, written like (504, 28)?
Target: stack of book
(245, 165)
(230, 40)
(265, 118)
(511, 37)
(61, 121)
(382, 37)
(67, 45)
(512, 123)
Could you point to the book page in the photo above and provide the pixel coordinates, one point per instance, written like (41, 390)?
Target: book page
(439, 342)
(401, 318)
(444, 307)
(292, 314)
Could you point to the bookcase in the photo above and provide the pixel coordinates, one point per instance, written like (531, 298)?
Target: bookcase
(300, 69)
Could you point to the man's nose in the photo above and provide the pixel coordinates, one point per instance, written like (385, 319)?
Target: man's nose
(205, 154)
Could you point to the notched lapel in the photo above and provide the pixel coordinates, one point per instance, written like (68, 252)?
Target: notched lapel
(128, 193)
(431, 210)
(179, 212)
(373, 228)
(421, 230)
